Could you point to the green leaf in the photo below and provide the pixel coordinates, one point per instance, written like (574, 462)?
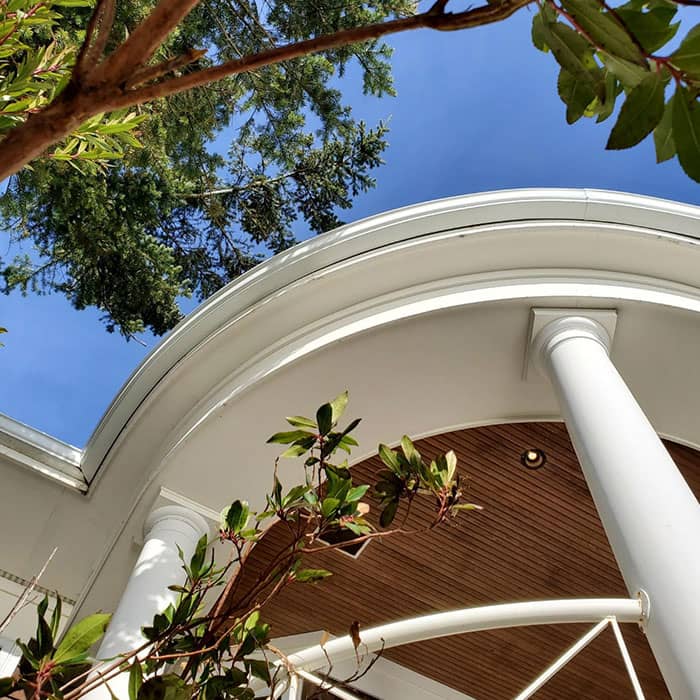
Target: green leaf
(311, 575)
(640, 113)
(451, 461)
(389, 457)
(629, 74)
(687, 56)
(56, 616)
(388, 514)
(259, 669)
(324, 418)
(411, 453)
(135, 680)
(6, 686)
(604, 30)
(329, 506)
(686, 131)
(663, 135)
(467, 506)
(294, 451)
(167, 687)
(81, 636)
(356, 493)
(287, 436)
(338, 406)
(652, 29)
(576, 94)
(573, 53)
(301, 422)
(235, 517)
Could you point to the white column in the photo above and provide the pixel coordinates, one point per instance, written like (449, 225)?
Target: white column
(157, 567)
(650, 515)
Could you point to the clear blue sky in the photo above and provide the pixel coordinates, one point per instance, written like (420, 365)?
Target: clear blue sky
(476, 111)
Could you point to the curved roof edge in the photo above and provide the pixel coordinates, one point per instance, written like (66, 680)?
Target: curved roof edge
(349, 241)
(375, 232)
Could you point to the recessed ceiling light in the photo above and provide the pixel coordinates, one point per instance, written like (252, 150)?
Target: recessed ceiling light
(533, 458)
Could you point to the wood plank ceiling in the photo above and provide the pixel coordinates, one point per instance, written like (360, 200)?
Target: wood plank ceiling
(538, 537)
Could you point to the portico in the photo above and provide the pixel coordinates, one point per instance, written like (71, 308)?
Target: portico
(425, 314)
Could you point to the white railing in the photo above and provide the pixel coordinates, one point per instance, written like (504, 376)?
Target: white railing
(602, 611)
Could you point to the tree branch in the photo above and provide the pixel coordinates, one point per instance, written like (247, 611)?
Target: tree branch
(104, 89)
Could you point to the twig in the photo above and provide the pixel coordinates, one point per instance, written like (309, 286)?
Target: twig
(22, 600)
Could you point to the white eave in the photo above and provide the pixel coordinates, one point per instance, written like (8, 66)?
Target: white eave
(30, 448)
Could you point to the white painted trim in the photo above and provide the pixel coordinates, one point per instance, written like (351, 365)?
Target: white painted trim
(46, 455)
(382, 234)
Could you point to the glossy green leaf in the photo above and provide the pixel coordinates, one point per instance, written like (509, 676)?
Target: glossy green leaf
(301, 422)
(294, 451)
(6, 686)
(640, 113)
(606, 31)
(324, 418)
(56, 616)
(338, 406)
(81, 636)
(287, 436)
(663, 135)
(311, 575)
(167, 687)
(356, 493)
(389, 513)
(686, 131)
(235, 517)
(389, 457)
(135, 680)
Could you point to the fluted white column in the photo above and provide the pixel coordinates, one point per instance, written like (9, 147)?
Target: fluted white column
(157, 567)
(650, 515)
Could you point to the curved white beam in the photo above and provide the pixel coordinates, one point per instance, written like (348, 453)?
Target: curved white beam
(488, 617)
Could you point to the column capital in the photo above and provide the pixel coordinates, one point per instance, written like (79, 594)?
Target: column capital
(178, 518)
(550, 327)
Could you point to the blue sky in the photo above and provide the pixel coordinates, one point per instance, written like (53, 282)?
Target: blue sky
(476, 110)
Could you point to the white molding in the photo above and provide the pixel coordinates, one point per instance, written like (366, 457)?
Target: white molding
(383, 234)
(30, 448)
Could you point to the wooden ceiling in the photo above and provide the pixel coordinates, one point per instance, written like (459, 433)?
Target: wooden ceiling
(538, 537)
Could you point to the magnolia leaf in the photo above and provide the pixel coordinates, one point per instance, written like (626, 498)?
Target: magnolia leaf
(287, 436)
(81, 636)
(311, 575)
(235, 517)
(324, 418)
(301, 422)
(167, 687)
(338, 406)
(356, 493)
(388, 514)
(686, 131)
(663, 135)
(389, 457)
(135, 680)
(640, 113)
(467, 506)
(604, 29)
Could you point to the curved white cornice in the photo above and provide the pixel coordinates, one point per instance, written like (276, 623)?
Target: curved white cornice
(521, 243)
